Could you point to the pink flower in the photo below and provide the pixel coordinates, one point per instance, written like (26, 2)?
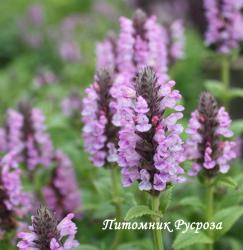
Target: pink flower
(176, 41)
(207, 130)
(44, 77)
(225, 20)
(59, 199)
(150, 147)
(99, 133)
(72, 104)
(26, 134)
(106, 53)
(69, 51)
(14, 202)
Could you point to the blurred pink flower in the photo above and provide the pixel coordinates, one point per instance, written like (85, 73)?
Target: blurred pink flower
(69, 51)
(62, 194)
(45, 77)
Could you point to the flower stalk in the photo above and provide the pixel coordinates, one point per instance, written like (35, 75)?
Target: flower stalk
(209, 208)
(210, 148)
(226, 80)
(158, 236)
(117, 204)
(150, 145)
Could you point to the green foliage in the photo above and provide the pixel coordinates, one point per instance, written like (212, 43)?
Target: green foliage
(216, 88)
(236, 92)
(227, 180)
(237, 126)
(86, 247)
(234, 244)
(143, 244)
(165, 199)
(188, 73)
(228, 217)
(192, 201)
(190, 238)
(139, 211)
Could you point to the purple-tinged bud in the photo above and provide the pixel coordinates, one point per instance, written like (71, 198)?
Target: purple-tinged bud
(206, 146)
(150, 147)
(98, 132)
(47, 234)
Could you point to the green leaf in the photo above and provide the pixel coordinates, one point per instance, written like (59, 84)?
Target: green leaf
(104, 210)
(102, 186)
(230, 199)
(139, 211)
(165, 199)
(142, 244)
(237, 126)
(191, 201)
(239, 179)
(234, 243)
(216, 88)
(236, 92)
(185, 240)
(227, 180)
(129, 246)
(228, 217)
(86, 247)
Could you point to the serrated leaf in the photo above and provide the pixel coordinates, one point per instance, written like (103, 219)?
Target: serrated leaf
(165, 199)
(185, 240)
(228, 217)
(86, 247)
(139, 211)
(227, 180)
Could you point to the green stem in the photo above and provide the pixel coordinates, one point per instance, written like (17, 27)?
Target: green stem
(226, 79)
(209, 209)
(116, 201)
(158, 237)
